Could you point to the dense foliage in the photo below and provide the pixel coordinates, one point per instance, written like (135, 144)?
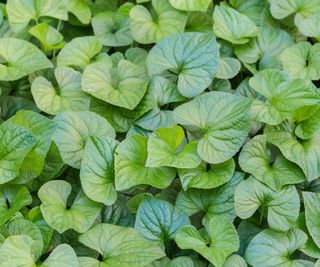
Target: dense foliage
(159, 133)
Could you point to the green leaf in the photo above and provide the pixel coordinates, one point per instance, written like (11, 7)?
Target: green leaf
(305, 153)
(81, 10)
(302, 61)
(283, 206)
(15, 144)
(164, 91)
(174, 152)
(158, 220)
(183, 261)
(192, 57)
(67, 95)
(283, 95)
(312, 211)
(123, 85)
(223, 240)
(20, 13)
(112, 29)
(37, 219)
(310, 26)
(49, 37)
(191, 5)
(207, 176)
(220, 119)
(310, 248)
(217, 201)
(156, 119)
(79, 216)
(265, 49)
(25, 227)
(20, 58)
(12, 199)
(199, 22)
(121, 118)
(235, 260)
(268, 166)
(228, 68)
(231, 25)
(283, 8)
(62, 256)
(120, 246)
(97, 173)
(151, 26)
(74, 129)
(270, 248)
(53, 165)
(310, 126)
(98, 6)
(43, 129)
(16, 251)
(79, 52)
(130, 169)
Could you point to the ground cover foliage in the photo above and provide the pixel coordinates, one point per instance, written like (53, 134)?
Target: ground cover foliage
(159, 133)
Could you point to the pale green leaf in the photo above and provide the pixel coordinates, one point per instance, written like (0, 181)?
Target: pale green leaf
(283, 95)
(73, 130)
(79, 216)
(217, 201)
(16, 251)
(302, 61)
(268, 166)
(97, 173)
(130, 169)
(235, 260)
(305, 153)
(80, 9)
(123, 85)
(312, 213)
(223, 240)
(192, 57)
(112, 29)
(265, 49)
(66, 95)
(20, 58)
(283, 206)
(231, 25)
(155, 119)
(120, 246)
(220, 119)
(310, 26)
(79, 52)
(174, 152)
(62, 256)
(25, 227)
(20, 13)
(228, 68)
(151, 26)
(207, 176)
(164, 91)
(283, 8)
(191, 5)
(270, 248)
